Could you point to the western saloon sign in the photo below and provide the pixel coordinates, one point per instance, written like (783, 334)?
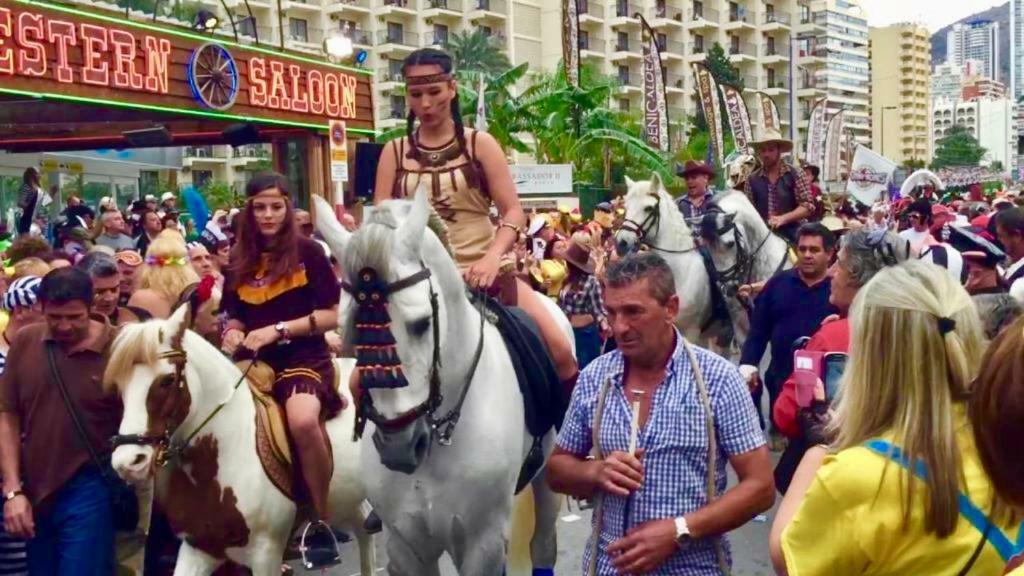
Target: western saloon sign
(66, 53)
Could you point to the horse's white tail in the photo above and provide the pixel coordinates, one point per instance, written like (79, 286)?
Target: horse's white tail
(520, 562)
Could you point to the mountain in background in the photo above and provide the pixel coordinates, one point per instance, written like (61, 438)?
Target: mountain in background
(1000, 14)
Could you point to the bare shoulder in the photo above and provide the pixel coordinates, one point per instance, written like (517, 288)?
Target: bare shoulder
(151, 301)
(483, 142)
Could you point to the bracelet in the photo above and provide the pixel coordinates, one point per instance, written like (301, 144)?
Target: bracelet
(513, 227)
(312, 323)
(224, 334)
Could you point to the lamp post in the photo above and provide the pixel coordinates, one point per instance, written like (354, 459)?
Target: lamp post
(882, 127)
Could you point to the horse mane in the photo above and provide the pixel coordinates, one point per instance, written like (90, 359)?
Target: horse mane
(141, 344)
(370, 246)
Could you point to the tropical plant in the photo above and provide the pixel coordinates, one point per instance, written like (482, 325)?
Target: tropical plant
(218, 195)
(957, 148)
(476, 51)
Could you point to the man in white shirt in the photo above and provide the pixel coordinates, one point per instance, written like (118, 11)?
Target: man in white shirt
(919, 214)
(1010, 231)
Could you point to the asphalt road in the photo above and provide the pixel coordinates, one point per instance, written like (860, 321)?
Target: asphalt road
(749, 546)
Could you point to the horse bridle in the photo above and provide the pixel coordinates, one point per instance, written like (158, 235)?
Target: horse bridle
(650, 224)
(730, 279)
(443, 426)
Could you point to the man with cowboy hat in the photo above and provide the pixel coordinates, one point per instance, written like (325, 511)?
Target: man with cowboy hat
(698, 194)
(780, 192)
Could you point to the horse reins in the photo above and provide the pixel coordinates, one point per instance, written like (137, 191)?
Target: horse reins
(370, 292)
(644, 229)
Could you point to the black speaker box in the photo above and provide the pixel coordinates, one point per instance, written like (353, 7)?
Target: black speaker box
(367, 155)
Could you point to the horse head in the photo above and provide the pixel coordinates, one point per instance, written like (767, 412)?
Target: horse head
(399, 286)
(650, 219)
(157, 387)
(739, 170)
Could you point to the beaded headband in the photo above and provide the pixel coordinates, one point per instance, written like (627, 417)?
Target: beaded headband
(161, 261)
(427, 79)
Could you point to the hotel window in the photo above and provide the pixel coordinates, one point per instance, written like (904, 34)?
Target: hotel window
(298, 29)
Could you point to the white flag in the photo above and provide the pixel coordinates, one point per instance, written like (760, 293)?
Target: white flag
(870, 175)
(481, 107)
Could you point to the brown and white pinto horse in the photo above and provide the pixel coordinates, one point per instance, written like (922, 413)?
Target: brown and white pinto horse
(216, 494)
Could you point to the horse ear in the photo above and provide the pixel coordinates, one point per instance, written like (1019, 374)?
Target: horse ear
(179, 321)
(656, 183)
(410, 232)
(629, 182)
(334, 233)
(726, 219)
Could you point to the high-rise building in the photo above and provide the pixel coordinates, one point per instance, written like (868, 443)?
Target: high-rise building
(977, 40)
(1016, 81)
(833, 49)
(947, 82)
(992, 121)
(900, 100)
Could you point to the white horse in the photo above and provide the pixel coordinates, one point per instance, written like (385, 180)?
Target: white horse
(744, 250)
(437, 493)
(653, 220)
(217, 495)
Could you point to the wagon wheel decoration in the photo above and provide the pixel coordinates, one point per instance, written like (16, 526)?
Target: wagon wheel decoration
(213, 76)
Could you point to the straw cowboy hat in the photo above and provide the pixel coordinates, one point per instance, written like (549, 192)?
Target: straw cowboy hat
(772, 136)
(694, 167)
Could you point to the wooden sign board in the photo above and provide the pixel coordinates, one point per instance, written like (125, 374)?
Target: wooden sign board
(69, 54)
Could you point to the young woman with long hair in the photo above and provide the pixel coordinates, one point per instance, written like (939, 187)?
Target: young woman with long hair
(280, 296)
(465, 171)
(888, 496)
(164, 275)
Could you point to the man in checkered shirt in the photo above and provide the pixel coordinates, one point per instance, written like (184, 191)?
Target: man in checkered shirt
(656, 516)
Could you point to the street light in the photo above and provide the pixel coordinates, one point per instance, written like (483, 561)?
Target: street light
(338, 46)
(882, 127)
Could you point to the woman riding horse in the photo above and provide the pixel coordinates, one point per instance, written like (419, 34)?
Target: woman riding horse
(466, 171)
(280, 296)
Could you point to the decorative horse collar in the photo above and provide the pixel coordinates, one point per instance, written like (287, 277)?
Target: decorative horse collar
(377, 359)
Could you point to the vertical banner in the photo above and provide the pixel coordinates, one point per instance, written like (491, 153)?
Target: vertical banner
(655, 107)
(571, 41)
(769, 113)
(815, 153)
(739, 118)
(707, 92)
(835, 142)
(481, 107)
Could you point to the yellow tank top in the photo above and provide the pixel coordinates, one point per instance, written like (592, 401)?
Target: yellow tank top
(458, 192)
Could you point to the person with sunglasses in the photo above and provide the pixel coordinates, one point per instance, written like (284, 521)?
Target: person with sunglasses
(919, 216)
(862, 254)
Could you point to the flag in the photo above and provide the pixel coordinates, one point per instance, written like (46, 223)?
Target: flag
(816, 134)
(571, 41)
(655, 108)
(835, 141)
(707, 91)
(870, 175)
(769, 113)
(739, 118)
(481, 107)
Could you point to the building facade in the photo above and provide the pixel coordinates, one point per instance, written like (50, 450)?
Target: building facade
(946, 82)
(1016, 81)
(900, 95)
(991, 121)
(975, 41)
(975, 88)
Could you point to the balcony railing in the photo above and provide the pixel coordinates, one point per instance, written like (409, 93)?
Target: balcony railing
(388, 75)
(389, 112)
(403, 38)
(626, 46)
(626, 9)
(674, 80)
(592, 8)
(745, 49)
(411, 4)
(777, 50)
(358, 36)
(355, 3)
(696, 48)
(590, 42)
(436, 38)
(251, 151)
(202, 152)
(453, 5)
(488, 5)
(705, 13)
(772, 17)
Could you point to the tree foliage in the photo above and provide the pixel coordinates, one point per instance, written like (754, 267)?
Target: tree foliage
(957, 148)
(475, 51)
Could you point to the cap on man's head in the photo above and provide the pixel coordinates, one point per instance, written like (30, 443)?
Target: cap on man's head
(536, 225)
(168, 196)
(22, 293)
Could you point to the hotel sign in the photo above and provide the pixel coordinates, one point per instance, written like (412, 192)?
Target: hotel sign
(67, 53)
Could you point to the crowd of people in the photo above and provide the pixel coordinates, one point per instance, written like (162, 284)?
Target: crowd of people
(895, 377)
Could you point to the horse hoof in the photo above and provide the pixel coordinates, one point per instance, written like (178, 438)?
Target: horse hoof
(372, 524)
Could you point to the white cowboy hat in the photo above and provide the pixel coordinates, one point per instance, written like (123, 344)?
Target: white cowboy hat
(772, 136)
(168, 196)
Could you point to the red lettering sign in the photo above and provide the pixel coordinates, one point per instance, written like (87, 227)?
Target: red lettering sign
(316, 91)
(257, 82)
(62, 35)
(125, 75)
(300, 102)
(158, 52)
(32, 56)
(95, 70)
(6, 54)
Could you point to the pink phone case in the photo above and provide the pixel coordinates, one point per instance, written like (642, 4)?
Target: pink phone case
(806, 372)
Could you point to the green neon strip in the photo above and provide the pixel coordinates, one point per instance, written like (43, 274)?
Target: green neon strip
(184, 111)
(191, 36)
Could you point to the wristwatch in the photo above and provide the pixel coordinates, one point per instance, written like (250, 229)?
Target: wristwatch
(282, 330)
(8, 496)
(682, 532)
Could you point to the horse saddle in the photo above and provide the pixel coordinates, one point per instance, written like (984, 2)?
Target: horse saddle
(544, 398)
(273, 442)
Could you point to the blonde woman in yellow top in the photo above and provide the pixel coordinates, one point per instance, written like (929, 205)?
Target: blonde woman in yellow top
(857, 507)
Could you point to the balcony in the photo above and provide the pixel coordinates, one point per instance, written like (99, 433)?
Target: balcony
(696, 52)
(740, 21)
(401, 8)
(396, 42)
(671, 50)
(774, 21)
(626, 50)
(665, 17)
(811, 87)
(360, 38)
(389, 116)
(625, 15)
(250, 152)
(591, 12)
(745, 52)
(483, 11)
(750, 83)
(309, 41)
(777, 54)
(301, 6)
(389, 79)
(813, 57)
(592, 46)
(353, 7)
(205, 154)
(778, 87)
(442, 10)
(675, 83)
(705, 19)
(435, 38)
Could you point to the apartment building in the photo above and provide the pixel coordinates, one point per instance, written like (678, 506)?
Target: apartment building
(900, 98)
(977, 40)
(993, 122)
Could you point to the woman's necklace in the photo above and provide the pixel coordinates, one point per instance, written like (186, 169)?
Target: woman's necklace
(435, 157)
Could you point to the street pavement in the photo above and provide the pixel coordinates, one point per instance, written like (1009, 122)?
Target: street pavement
(749, 546)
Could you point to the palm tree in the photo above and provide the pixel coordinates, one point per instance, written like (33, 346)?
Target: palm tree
(477, 51)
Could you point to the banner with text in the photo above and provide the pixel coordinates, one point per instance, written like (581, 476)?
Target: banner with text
(739, 118)
(815, 153)
(542, 179)
(835, 141)
(655, 107)
(707, 92)
(571, 41)
(769, 113)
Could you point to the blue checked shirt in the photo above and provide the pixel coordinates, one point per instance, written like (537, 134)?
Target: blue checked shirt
(675, 443)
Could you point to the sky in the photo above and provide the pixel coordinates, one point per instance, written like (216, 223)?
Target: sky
(932, 13)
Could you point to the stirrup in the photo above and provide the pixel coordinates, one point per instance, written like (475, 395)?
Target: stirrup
(323, 556)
